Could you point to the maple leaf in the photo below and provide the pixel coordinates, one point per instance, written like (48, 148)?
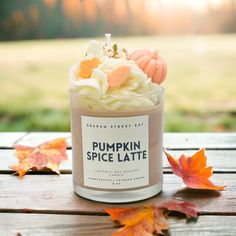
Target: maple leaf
(193, 170)
(187, 208)
(47, 155)
(149, 219)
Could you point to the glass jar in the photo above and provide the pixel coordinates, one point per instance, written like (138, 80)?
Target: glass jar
(117, 155)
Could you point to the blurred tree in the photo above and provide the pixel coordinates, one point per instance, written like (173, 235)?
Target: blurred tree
(31, 19)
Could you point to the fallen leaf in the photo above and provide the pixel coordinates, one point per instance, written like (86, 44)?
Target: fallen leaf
(118, 76)
(138, 221)
(187, 208)
(148, 220)
(47, 155)
(193, 170)
(87, 66)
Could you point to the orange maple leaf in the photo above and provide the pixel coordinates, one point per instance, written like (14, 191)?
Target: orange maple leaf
(47, 155)
(149, 219)
(193, 170)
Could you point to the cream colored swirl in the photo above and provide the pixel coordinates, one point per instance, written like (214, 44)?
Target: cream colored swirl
(137, 92)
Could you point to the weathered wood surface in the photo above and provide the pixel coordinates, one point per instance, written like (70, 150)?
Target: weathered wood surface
(171, 140)
(45, 204)
(223, 161)
(82, 225)
(52, 193)
(215, 141)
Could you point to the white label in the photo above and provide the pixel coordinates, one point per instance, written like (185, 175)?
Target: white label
(115, 152)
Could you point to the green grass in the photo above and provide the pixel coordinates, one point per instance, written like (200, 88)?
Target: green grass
(200, 91)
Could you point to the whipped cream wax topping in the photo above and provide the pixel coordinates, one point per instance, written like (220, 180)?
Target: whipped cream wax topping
(138, 91)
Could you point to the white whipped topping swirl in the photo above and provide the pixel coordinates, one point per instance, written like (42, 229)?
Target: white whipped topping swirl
(137, 92)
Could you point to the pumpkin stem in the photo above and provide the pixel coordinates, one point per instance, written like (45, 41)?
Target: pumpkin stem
(155, 54)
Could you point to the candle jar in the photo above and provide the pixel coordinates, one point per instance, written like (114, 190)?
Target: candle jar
(117, 154)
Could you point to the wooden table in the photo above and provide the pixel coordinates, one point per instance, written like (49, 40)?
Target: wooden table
(45, 204)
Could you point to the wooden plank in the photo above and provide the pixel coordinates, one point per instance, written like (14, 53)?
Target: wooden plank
(171, 140)
(205, 225)
(199, 140)
(7, 139)
(36, 138)
(51, 193)
(223, 161)
(73, 225)
(43, 224)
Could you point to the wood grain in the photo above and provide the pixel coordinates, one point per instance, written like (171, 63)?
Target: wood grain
(51, 225)
(61, 212)
(52, 193)
(73, 225)
(222, 161)
(171, 140)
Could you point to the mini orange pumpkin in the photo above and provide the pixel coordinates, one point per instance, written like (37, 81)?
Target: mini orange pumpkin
(151, 64)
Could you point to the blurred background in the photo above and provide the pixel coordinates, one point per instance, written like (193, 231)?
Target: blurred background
(40, 40)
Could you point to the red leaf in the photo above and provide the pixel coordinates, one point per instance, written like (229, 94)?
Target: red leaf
(47, 155)
(189, 209)
(148, 220)
(193, 170)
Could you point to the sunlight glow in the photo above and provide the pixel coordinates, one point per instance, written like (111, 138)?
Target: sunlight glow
(198, 5)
